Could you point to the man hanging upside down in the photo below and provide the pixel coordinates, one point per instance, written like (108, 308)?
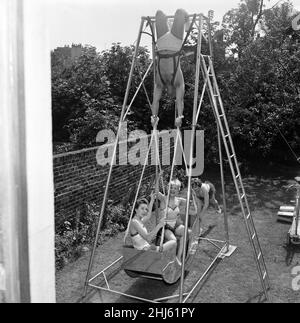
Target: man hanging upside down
(169, 74)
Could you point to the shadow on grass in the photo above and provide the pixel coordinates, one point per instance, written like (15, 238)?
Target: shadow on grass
(259, 298)
(201, 285)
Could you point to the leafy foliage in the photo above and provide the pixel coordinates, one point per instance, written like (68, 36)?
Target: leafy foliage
(256, 58)
(74, 233)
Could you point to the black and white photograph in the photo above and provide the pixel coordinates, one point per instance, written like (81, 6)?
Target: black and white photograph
(150, 154)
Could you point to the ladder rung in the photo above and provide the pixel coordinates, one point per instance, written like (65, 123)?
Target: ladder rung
(243, 196)
(237, 176)
(264, 275)
(248, 216)
(226, 136)
(232, 156)
(254, 235)
(259, 256)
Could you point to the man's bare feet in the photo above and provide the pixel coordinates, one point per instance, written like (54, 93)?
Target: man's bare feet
(154, 120)
(178, 121)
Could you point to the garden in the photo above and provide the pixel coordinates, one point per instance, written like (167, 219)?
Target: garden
(257, 63)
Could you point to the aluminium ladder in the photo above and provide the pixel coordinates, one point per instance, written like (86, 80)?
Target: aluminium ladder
(217, 105)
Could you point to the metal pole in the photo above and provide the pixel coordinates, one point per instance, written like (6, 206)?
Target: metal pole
(233, 166)
(223, 189)
(219, 143)
(203, 276)
(169, 17)
(113, 158)
(137, 91)
(123, 294)
(152, 27)
(209, 37)
(297, 209)
(191, 155)
(219, 139)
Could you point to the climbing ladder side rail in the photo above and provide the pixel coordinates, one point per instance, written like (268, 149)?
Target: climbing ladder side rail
(228, 136)
(238, 179)
(104, 201)
(211, 58)
(231, 155)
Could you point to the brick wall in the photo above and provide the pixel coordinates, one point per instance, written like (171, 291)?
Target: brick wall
(79, 179)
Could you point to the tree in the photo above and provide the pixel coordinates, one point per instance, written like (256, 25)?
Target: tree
(241, 24)
(116, 63)
(88, 92)
(79, 93)
(263, 92)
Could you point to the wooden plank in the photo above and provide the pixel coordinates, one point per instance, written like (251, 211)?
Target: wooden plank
(286, 214)
(150, 262)
(287, 209)
(286, 220)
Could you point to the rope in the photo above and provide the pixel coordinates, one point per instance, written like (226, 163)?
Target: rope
(138, 189)
(154, 136)
(143, 81)
(169, 189)
(202, 95)
(158, 160)
(184, 156)
(137, 91)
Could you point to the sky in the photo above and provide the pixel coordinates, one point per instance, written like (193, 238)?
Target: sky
(100, 23)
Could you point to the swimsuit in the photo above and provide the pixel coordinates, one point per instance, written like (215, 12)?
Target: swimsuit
(138, 241)
(171, 225)
(169, 42)
(174, 212)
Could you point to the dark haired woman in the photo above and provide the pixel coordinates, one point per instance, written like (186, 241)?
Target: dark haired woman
(141, 238)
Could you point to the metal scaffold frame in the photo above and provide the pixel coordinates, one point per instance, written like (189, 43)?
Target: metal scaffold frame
(210, 85)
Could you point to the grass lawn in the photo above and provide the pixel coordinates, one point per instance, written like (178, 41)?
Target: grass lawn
(232, 280)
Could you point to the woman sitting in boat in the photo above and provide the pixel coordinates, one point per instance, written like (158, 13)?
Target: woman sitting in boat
(141, 238)
(172, 216)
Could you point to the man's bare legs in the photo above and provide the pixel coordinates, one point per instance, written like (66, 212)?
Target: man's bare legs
(158, 89)
(161, 24)
(180, 19)
(180, 90)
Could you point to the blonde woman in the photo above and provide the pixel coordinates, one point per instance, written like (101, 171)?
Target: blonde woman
(172, 214)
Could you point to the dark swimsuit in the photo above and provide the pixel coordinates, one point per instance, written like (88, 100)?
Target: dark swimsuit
(176, 65)
(167, 227)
